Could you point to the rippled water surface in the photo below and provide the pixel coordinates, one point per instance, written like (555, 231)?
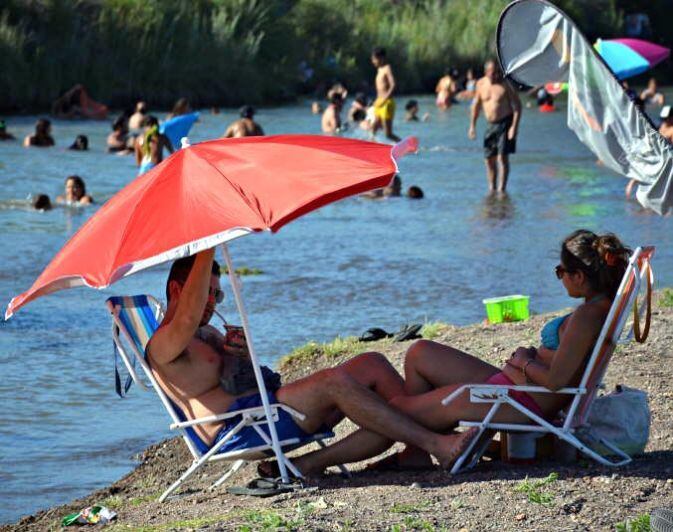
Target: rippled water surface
(350, 266)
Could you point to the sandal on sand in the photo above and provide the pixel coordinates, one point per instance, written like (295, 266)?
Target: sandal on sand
(408, 332)
(262, 487)
(392, 463)
(374, 334)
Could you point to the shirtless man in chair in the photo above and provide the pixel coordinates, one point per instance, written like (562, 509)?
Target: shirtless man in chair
(204, 376)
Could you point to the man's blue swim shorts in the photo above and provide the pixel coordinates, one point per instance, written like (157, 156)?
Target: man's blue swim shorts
(248, 437)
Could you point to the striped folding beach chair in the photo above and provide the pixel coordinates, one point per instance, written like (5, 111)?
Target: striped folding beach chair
(639, 272)
(134, 320)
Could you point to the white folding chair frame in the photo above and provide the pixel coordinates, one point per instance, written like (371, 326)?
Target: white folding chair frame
(250, 416)
(498, 395)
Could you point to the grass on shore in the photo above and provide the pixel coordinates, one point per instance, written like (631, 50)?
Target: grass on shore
(348, 346)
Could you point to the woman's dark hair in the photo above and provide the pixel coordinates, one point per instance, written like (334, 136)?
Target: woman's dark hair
(81, 143)
(41, 202)
(42, 127)
(247, 111)
(602, 258)
(359, 115)
(410, 105)
(79, 182)
(180, 106)
(379, 52)
(150, 120)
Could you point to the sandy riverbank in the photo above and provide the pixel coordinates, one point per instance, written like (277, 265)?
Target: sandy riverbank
(585, 496)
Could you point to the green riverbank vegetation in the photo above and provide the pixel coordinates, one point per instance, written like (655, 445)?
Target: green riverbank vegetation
(228, 52)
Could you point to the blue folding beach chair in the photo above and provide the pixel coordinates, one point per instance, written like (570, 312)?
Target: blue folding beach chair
(135, 319)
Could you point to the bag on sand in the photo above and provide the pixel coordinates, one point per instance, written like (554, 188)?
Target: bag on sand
(621, 417)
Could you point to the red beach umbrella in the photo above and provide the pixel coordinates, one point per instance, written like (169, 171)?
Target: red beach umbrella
(209, 194)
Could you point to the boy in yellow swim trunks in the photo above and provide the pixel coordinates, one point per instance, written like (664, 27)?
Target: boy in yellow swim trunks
(384, 106)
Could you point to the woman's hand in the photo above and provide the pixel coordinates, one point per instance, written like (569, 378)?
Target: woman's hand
(521, 356)
(514, 373)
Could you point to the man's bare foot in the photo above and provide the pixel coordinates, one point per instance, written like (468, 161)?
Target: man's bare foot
(455, 445)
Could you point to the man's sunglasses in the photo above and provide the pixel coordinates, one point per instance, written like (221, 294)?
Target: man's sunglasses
(561, 270)
(217, 293)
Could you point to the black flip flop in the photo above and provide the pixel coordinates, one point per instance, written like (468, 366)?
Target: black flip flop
(408, 332)
(374, 334)
(262, 487)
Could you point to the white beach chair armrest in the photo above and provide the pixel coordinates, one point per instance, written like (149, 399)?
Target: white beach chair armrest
(496, 389)
(258, 410)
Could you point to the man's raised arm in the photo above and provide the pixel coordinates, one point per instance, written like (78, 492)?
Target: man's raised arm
(171, 339)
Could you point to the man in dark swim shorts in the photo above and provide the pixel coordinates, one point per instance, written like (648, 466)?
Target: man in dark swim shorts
(502, 109)
(495, 138)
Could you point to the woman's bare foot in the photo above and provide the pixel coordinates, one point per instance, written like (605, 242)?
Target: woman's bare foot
(454, 446)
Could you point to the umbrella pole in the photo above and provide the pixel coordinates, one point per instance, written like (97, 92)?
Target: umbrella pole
(275, 443)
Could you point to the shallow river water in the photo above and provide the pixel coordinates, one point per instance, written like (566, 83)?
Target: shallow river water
(350, 266)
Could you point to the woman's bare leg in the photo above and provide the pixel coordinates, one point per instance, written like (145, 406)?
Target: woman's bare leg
(429, 365)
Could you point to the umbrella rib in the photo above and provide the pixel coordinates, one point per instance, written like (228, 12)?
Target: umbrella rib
(126, 229)
(243, 197)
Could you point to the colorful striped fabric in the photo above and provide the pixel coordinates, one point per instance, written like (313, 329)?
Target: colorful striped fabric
(136, 314)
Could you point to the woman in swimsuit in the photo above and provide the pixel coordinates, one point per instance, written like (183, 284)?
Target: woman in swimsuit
(591, 268)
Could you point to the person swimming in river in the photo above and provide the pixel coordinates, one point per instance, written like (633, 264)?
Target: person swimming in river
(136, 120)
(81, 143)
(4, 134)
(331, 117)
(118, 140)
(149, 146)
(42, 137)
(244, 126)
(384, 105)
(445, 89)
(41, 202)
(75, 192)
(412, 110)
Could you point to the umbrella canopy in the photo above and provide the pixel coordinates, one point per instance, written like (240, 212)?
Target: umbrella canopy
(630, 57)
(210, 193)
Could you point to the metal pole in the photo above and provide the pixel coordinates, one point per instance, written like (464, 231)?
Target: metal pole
(280, 457)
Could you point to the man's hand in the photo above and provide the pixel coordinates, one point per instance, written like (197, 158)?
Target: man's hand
(236, 350)
(471, 133)
(511, 133)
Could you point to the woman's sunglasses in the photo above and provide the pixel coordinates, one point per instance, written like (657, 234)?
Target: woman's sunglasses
(561, 270)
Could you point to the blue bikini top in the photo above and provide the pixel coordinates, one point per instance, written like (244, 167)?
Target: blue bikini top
(549, 336)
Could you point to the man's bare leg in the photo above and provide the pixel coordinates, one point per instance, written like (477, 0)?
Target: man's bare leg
(491, 172)
(388, 130)
(503, 161)
(320, 394)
